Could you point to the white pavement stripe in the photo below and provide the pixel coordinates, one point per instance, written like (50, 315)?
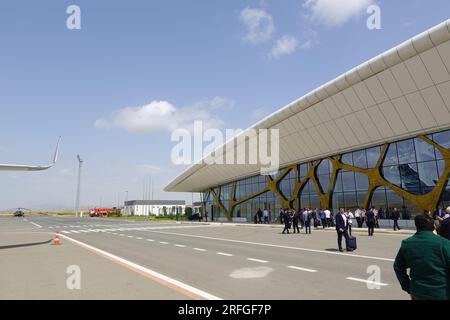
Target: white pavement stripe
(180, 246)
(150, 240)
(276, 246)
(257, 260)
(73, 231)
(35, 224)
(200, 249)
(150, 273)
(224, 254)
(130, 237)
(139, 238)
(163, 242)
(301, 269)
(368, 282)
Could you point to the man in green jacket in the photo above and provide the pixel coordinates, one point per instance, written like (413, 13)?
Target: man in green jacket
(428, 258)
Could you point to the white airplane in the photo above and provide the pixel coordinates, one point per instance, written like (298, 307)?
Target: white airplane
(19, 167)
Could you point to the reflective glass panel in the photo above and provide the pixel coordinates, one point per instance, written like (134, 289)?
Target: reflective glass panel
(348, 181)
(391, 156)
(373, 154)
(442, 138)
(405, 150)
(324, 181)
(325, 167)
(393, 199)
(359, 159)
(424, 150)
(338, 183)
(410, 178)
(362, 182)
(347, 159)
(428, 175)
(392, 174)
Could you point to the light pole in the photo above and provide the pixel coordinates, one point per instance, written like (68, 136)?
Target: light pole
(77, 204)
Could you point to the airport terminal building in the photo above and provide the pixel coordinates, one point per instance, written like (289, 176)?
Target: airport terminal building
(377, 135)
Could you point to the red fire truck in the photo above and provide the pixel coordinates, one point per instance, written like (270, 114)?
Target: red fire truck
(100, 212)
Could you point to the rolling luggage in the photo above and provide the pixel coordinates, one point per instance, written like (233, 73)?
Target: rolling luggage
(352, 243)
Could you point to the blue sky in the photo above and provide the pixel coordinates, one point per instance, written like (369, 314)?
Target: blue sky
(229, 63)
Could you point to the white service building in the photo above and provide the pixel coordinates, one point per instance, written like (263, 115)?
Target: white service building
(154, 207)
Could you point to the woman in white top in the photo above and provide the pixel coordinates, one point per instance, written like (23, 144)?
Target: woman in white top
(350, 218)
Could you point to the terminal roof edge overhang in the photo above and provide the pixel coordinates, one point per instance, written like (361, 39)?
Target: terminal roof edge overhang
(424, 41)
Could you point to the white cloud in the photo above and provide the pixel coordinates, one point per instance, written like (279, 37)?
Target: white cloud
(284, 46)
(163, 116)
(259, 24)
(335, 12)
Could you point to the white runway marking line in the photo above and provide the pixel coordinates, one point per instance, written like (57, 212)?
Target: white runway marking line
(180, 246)
(139, 238)
(257, 260)
(224, 254)
(302, 269)
(163, 242)
(73, 231)
(200, 249)
(150, 240)
(153, 275)
(368, 281)
(276, 246)
(35, 224)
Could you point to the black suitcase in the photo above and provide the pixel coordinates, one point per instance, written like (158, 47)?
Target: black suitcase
(352, 243)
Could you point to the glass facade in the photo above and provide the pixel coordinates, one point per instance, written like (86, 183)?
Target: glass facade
(407, 174)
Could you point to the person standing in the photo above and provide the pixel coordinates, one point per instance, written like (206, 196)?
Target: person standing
(370, 221)
(281, 215)
(350, 218)
(375, 212)
(427, 257)
(266, 216)
(260, 215)
(287, 221)
(328, 217)
(341, 229)
(444, 228)
(358, 217)
(396, 217)
(323, 219)
(307, 220)
(295, 220)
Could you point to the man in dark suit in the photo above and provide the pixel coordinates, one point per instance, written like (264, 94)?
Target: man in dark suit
(287, 221)
(396, 217)
(341, 229)
(370, 221)
(295, 220)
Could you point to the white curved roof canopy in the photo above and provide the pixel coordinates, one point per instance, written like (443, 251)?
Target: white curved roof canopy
(398, 94)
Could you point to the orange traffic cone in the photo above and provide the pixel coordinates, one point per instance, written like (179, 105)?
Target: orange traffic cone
(56, 240)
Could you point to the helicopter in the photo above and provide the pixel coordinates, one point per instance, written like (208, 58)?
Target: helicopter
(20, 212)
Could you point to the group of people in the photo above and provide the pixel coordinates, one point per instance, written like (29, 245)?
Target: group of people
(260, 215)
(304, 219)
